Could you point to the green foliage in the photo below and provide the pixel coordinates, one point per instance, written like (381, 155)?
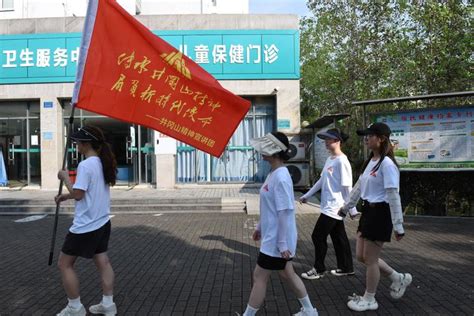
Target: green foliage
(358, 50)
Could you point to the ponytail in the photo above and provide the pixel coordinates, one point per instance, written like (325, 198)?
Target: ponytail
(109, 163)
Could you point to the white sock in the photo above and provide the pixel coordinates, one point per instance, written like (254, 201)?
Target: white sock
(306, 303)
(107, 300)
(369, 297)
(250, 311)
(75, 302)
(395, 276)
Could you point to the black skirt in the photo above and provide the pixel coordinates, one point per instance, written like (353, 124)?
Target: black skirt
(271, 263)
(376, 222)
(89, 244)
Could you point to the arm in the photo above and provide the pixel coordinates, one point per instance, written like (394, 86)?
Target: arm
(391, 180)
(353, 199)
(284, 202)
(316, 187)
(257, 235)
(345, 191)
(396, 210)
(63, 175)
(283, 219)
(73, 193)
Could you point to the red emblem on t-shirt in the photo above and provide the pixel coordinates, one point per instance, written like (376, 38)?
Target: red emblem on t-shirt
(373, 173)
(265, 187)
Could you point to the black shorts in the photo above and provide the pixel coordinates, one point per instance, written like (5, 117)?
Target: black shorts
(89, 244)
(376, 222)
(271, 263)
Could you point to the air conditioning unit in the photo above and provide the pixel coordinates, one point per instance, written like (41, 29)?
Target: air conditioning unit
(299, 173)
(297, 151)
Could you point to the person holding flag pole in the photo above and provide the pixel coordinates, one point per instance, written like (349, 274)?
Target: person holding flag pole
(134, 76)
(89, 234)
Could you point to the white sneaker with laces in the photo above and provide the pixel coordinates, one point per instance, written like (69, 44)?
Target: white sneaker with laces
(101, 309)
(338, 272)
(398, 288)
(359, 304)
(312, 275)
(303, 312)
(69, 311)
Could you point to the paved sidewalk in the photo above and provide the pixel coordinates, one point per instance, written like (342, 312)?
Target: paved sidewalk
(201, 264)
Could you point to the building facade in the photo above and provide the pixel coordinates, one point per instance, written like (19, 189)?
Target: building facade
(29, 9)
(255, 56)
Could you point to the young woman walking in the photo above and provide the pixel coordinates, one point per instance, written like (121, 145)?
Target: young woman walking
(89, 234)
(277, 227)
(335, 185)
(378, 188)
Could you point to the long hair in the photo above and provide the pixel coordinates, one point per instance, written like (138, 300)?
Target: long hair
(386, 150)
(105, 153)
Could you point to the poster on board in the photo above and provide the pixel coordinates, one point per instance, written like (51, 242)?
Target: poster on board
(432, 139)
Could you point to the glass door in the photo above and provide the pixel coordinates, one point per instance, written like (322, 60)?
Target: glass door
(236, 163)
(16, 140)
(131, 144)
(146, 155)
(19, 144)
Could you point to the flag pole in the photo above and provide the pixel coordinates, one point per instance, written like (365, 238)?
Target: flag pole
(58, 204)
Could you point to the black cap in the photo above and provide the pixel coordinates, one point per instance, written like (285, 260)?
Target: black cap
(332, 133)
(83, 135)
(378, 128)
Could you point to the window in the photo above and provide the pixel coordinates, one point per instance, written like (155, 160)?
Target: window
(7, 4)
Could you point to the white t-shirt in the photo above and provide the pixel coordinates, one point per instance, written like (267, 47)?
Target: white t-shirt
(373, 185)
(276, 194)
(337, 173)
(92, 212)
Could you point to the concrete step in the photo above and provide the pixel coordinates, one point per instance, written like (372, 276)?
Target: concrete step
(138, 201)
(217, 205)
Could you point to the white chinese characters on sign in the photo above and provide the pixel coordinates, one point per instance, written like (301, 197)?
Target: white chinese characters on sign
(271, 53)
(219, 53)
(26, 56)
(45, 57)
(204, 54)
(234, 54)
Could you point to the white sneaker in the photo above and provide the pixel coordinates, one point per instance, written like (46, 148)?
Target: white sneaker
(359, 304)
(338, 272)
(69, 311)
(398, 288)
(101, 309)
(312, 275)
(303, 312)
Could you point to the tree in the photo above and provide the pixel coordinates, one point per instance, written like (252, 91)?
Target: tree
(358, 50)
(354, 50)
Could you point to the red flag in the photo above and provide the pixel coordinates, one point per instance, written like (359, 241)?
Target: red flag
(128, 73)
